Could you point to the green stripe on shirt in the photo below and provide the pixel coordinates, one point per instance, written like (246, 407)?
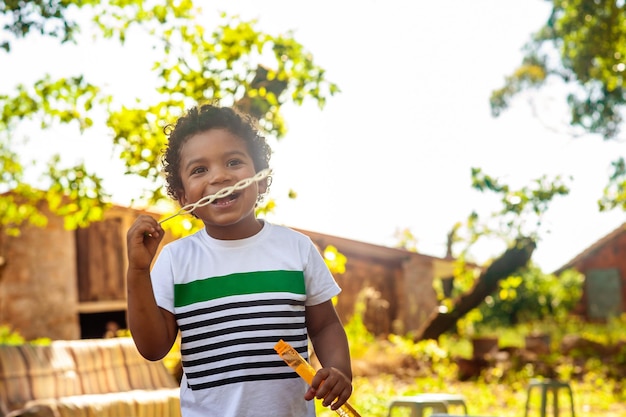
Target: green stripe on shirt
(238, 284)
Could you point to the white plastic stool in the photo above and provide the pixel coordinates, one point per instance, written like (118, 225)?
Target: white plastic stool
(436, 402)
(455, 415)
(549, 386)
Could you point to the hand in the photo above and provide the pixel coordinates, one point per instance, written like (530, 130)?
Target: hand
(331, 385)
(143, 239)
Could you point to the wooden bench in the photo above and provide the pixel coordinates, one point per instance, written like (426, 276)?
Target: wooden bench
(85, 378)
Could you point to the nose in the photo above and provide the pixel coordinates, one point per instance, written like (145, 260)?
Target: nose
(220, 175)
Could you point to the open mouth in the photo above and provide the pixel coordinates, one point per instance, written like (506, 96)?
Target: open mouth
(226, 200)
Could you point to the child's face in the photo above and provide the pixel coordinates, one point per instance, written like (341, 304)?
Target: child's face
(210, 161)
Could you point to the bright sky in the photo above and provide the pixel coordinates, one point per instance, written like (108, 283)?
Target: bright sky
(394, 150)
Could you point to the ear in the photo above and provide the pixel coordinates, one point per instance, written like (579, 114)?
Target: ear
(182, 199)
(264, 185)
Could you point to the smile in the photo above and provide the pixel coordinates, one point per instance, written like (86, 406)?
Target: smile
(226, 200)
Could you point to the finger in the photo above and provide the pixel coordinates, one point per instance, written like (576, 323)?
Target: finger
(151, 232)
(329, 390)
(339, 390)
(319, 380)
(152, 237)
(146, 226)
(341, 399)
(320, 376)
(310, 394)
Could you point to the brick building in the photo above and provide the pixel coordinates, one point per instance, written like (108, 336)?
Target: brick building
(71, 284)
(604, 266)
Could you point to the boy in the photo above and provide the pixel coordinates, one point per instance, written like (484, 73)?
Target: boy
(236, 287)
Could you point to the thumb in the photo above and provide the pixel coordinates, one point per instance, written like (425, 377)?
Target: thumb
(310, 394)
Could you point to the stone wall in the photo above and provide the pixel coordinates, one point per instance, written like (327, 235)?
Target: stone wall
(395, 286)
(397, 297)
(417, 296)
(38, 293)
(375, 285)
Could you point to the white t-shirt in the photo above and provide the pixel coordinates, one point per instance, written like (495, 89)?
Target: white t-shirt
(233, 301)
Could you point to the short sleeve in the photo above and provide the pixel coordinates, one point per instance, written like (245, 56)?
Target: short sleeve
(163, 280)
(320, 283)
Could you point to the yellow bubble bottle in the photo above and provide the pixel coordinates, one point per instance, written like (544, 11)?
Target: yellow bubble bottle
(306, 371)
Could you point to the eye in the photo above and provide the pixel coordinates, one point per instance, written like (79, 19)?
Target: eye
(198, 170)
(234, 162)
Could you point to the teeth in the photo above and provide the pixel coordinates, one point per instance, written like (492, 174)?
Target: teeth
(226, 199)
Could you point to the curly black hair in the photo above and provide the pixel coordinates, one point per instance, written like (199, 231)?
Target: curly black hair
(200, 119)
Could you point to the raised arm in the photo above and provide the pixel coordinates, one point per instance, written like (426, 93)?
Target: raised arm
(153, 329)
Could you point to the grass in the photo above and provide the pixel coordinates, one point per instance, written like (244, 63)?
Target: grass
(372, 395)
(396, 366)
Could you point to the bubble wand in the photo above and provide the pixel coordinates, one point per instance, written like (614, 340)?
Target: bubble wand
(307, 372)
(224, 192)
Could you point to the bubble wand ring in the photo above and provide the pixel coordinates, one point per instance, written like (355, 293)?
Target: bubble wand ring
(224, 192)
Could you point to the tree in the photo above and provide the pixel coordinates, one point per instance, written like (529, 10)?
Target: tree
(532, 295)
(581, 47)
(517, 223)
(516, 257)
(234, 63)
(46, 17)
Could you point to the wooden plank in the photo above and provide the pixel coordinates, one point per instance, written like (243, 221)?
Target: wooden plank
(100, 261)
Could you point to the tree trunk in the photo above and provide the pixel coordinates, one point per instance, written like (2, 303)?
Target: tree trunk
(514, 258)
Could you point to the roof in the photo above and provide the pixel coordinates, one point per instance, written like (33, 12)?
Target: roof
(384, 254)
(592, 249)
